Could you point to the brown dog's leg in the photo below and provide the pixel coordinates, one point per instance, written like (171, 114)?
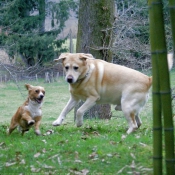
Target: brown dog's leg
(23, 131)
(27, 117)
(14, 121)
(12, 127)
(37, 124)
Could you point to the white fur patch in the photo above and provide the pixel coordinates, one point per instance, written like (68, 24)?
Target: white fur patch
(34, 108)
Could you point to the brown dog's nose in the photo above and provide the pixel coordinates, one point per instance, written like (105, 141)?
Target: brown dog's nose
(41, 96)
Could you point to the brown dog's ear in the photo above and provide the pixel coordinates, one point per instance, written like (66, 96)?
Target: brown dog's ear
(62, 56)
(28, 86)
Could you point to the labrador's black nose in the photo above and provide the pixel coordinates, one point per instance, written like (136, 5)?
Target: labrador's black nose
(70, 79)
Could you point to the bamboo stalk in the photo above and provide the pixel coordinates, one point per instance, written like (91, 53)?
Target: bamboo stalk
(154, 12)
(172, 15)
(161, 90)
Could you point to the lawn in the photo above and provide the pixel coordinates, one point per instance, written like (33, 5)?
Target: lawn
(98, 147)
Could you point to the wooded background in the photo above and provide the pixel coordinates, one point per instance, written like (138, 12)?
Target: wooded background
(32, 33)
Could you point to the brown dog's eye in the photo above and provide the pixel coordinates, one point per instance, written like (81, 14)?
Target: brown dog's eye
(44, 92)
(37, 91)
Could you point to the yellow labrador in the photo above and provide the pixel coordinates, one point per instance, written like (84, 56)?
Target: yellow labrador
(95, 81)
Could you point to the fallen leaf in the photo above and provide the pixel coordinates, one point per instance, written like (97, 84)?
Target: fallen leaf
(2, 145)
(93, 155)
(137, 137)
(113, 142)
(85, 137)
(109, 155)
(23, 162)
(56, 155)
(7, 164)
(47, 166)
(122, 169)
(81, 172)
(59, 161)
(123, 137)
(44, 150)
(133, 156)
(35, 170)
(37, 155)
(78, 161)
(76, 155)
(143, 144)
(48, 132)
(44, 141)
(96, 133)
(85, 171)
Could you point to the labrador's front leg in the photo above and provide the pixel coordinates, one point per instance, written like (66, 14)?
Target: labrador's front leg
(70, 105)
(90, 102)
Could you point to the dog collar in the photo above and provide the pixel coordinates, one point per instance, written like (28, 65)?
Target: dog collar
(84, 76)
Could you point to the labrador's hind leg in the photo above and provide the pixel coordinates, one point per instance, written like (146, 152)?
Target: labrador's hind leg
(138, 120)
(131, 122)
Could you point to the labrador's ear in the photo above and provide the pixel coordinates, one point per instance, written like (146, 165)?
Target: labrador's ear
(61, 57)
(86, 56)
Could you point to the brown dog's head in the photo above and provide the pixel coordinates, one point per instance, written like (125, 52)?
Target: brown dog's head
(75, 65)
(36, 93)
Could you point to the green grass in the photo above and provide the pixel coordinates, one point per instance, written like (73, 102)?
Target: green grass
(97, 147)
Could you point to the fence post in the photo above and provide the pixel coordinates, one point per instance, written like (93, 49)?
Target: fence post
(52, 78)
(57, 76)
(36, 77)
(47, 77)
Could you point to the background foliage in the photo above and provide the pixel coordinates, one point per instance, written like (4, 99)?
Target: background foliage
(22, 28)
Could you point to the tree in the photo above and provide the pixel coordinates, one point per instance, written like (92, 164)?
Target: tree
(95, 22)
(22, 25)
(131, 44)
(131, 33)
(96, 18)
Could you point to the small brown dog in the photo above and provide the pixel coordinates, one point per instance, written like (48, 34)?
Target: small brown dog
(29, 114)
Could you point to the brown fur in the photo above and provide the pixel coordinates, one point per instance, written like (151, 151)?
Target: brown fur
(29, 114)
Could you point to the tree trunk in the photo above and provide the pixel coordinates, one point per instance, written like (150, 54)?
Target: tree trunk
(95, 23)
(42, 16)
(94, 36)
(42, 5)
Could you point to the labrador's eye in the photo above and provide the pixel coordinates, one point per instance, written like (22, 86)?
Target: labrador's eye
(75, 68)
(67, 68)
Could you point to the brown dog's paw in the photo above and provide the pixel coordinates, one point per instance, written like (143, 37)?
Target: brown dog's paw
(31, 122)
(38, 132)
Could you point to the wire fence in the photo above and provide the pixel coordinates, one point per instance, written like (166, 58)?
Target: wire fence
(11, 72)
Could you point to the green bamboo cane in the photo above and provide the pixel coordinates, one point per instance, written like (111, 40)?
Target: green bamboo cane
(167, 106)
(172, 15)
(161, 73)
(154, 13)
(168, 120)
